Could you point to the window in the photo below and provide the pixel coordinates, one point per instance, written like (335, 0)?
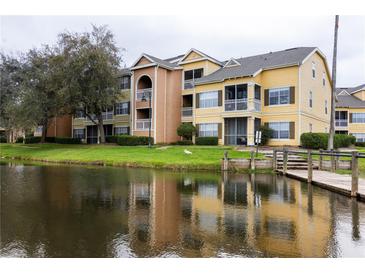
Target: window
(313, 70)
(310, 127)
(358, 117)
(208, 99)
(79, 133)
(279, 96)
(325, 106)
(79, 114)
(121, 108)
(190, 76)
(125, 82)
(206, 130)
(39, 130)
(280, 130)
(310, 99)
(121, 130)
(235, 97)
(360, 137)
(323, 78)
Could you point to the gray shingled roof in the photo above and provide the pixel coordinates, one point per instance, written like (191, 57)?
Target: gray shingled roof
(161, 62)
(174, 58)
(125, 71)
(250, 65)
(349, 100)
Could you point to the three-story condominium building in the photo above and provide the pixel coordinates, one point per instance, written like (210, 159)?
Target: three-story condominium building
(350, 111)
(287, 90)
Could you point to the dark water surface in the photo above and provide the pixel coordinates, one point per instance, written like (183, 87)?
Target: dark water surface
(72, 211)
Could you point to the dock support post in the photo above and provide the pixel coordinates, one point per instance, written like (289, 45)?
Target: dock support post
(332, 161)
(310, 166)
(320, 160)
(355, 174)
(274, 159)
(225, 161)
(285, 160)
(252, 162)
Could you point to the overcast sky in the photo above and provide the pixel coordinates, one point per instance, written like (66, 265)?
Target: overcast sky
(220, 37)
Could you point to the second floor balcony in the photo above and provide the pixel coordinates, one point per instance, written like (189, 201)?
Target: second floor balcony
(242, 104)
(341, 123)
(144, 94)
(187, 112)
(143, 124)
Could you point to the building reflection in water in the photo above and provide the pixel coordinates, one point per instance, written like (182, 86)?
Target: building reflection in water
(145, 213)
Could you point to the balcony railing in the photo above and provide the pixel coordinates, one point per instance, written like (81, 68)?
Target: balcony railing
(187, 112)
(233, 105)
(106, 116)
(341, 122)
(188, 84)
(257, 104)
(143, 94)
(143, 124)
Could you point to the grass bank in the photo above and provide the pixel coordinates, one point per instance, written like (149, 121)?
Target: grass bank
(173, 157)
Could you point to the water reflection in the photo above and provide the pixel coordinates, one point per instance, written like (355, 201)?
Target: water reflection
(61, 211)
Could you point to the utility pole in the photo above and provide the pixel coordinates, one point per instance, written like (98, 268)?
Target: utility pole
(334, 64)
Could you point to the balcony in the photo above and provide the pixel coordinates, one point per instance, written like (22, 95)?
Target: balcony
(341, 123)
(257, 105)
(143, 124)
(106, 116)
(234, 105)
(187, 112)
(188, 84)
(143, 94)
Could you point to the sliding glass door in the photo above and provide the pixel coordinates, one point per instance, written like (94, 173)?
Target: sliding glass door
(235, 131)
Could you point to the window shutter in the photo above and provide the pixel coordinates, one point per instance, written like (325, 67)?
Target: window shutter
(291, 130)
(220, 131)
(292, 95)
(350, 118)
(129, 108)
(115, 109)
(197, 100)
(197, 130)
(266, 125)
(219, 98)
(128, 130)
(266, 97)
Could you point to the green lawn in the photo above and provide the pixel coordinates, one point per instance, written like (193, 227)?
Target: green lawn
(202, 157)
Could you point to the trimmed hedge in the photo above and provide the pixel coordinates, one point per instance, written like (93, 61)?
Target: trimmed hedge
(184, 143)
(206, 141)
(2, 139)
(127, 140)
(19, 140)
(67, 140)
(360, 144)
(320, 140)
(57, 140)
(32, 140)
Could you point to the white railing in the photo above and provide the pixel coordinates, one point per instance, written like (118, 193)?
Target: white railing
(233, 105)
(187, 112)
(143, 94)
(341, 122)
(257, 104)
(143, 124)
(106, 116)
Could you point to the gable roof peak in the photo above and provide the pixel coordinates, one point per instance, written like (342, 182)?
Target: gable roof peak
(232, 63)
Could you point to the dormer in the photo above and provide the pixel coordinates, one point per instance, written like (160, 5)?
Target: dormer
(232, 63)
(359, 92)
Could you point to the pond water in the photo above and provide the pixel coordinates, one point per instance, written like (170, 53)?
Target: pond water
(75, 211)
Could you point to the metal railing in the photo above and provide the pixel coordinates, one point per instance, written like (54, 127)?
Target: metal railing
(143, 94)
(187, 112)
(188, 84)
(143, 124)
(341, 123)
(235, 104)
(257, 104)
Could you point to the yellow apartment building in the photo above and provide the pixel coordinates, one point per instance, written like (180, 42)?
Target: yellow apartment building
(350, 112)
(287, 90)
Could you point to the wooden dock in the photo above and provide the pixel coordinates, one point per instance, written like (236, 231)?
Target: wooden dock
(339, 183)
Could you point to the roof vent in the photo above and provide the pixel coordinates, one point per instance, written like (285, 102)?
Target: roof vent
(290, 49)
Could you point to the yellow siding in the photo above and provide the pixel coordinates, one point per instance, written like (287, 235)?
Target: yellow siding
(356, 127)
(360, 94)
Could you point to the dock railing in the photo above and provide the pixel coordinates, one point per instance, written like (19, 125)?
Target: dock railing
(334, 156)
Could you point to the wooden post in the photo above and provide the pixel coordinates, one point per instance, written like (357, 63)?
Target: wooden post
(252, 162)
(225, 161)
(355, 174)
(274, 159)
(285, 160)
(320, 160)
(310, 166)
(337, 164)
(332, 161)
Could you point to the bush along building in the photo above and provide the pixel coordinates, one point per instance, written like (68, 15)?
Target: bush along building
(288, 91)
(350, 112)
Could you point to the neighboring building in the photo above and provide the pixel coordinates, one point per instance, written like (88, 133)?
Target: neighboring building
(116, 120)
(60, 126)
(350, 112)
(288, 90)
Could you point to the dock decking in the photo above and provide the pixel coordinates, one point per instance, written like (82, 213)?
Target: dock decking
(332, 181)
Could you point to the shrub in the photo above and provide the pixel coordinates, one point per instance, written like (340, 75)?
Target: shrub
(2, 139)
(67, 140)
(320, 140)
(32, 139)
(186, 130)
(206, 141)
(50, 139)
(19, 140)
(184, 143)
(266, 134)
(111, 139)
(127, 140)
(360, 144)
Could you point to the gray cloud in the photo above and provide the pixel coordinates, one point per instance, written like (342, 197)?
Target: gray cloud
(221, 37)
